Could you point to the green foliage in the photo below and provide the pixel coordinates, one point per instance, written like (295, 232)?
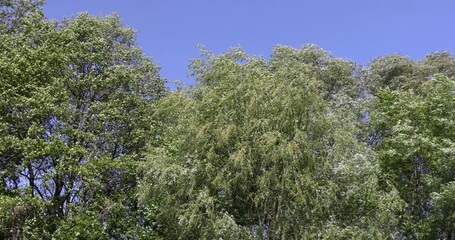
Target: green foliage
(80, 226)
(300, 146)
(255, 150)
(21, 216)
(336, 75)
(396, 72)
(76, 105)
(417, 152)
(392, 72)
(15, 14)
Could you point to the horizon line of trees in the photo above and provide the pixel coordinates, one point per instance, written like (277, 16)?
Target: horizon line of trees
(302, 145)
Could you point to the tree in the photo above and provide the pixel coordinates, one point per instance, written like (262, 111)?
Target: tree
(256, 150)
(337, 76)
(417, 153)
(392, 71)
(76, 106)
(14, 14)
(397, 72)
(300, 146)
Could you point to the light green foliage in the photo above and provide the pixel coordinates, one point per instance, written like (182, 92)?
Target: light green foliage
(76, 100)
(392, 72)
(336, 75)
(438, 63)
(396, 72)
(80, 226)
(417, 153)
(16, 14)
(441, 221)
(255, 150)
(300, 146)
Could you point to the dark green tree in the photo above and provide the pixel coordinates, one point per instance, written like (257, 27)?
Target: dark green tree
(417, 154)
(76, 104)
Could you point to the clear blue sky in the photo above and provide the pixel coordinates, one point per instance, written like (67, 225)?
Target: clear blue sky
(359, 30)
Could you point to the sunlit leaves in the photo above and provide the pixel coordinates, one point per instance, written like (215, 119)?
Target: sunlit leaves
(258, 143)
(417, 149)
(76, 116)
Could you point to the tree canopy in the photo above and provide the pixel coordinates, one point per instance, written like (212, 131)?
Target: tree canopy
(255, 151)
(298, 145)
(76, 106)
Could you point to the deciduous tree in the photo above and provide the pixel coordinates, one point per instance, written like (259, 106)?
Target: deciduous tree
(255, 150)
(76, 104)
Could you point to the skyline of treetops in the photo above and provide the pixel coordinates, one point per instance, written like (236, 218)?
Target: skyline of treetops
(297, 145)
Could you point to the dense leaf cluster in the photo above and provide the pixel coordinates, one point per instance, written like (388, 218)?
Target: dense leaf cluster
(300, 145)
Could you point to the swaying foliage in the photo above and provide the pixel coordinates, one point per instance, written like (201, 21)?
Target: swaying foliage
(396, 72)
(299, 146)
(76, 103)
(417, 154)
(255, 151)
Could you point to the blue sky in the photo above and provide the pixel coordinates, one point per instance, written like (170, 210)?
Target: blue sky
(359, 30)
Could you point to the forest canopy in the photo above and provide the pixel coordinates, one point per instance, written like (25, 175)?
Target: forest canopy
(298, 145)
